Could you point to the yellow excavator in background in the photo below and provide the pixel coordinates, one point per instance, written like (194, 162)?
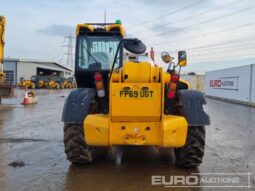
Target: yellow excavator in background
(6, 90)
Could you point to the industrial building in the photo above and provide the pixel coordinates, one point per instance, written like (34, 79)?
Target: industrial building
(17, 69)
(196, 81)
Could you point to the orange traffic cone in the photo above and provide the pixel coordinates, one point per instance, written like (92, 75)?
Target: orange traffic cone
(26, 101)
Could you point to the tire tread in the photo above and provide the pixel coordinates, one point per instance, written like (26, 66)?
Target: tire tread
(191, 155)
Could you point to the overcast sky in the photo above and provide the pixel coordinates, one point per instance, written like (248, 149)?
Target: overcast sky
(215, 33)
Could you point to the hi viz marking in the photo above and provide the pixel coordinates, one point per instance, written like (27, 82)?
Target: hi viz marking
(136, 94)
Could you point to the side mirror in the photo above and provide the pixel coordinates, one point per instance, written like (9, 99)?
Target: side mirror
(165, 56)
(182, 58)
(134, 46)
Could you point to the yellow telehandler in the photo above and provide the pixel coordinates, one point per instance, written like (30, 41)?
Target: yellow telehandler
(69, 83)
(41, 81)
(27, 84)
(134, 103)
(35, 82)
(56, 82)
(6, 90)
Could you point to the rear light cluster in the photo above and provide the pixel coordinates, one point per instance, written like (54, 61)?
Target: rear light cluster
(173, 86)
(99, 84)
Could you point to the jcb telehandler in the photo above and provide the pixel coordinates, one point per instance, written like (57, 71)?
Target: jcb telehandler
(35, 82)
(6, 90)
(70, 83)
(56, 82)
(133, 103)
(40, 81)
(46, 81)
(26, 84)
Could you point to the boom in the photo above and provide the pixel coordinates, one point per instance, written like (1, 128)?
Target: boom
(2, 29)
(6, 90)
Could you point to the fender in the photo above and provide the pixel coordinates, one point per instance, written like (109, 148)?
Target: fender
(77, 105)
(183, 84)
(192, 103)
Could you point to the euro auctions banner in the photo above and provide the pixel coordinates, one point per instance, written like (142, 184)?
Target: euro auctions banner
(232, 83)
(226, 83)
(253, 85)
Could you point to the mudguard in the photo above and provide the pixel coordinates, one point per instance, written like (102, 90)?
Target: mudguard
(77, 105)
(192, 103)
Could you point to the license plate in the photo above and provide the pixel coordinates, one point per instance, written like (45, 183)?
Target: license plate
(136, 94)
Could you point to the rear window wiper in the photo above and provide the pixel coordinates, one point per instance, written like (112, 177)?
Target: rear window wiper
(90, 54)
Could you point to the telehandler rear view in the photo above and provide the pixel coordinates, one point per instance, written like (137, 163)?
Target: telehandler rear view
(121, 103)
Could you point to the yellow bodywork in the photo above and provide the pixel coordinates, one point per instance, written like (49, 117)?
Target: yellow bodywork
(67, 84)
(169, 132)
(31, 84)
(6, 90)
(85, 26)
(116, 26)
(41, 84)
(2, 29)
(54, 85)
(109, 28)
(185, 82)
(141, 106)
(136, 115)
(27, 84)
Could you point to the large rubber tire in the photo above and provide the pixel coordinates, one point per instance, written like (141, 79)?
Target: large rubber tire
(77, 151)
(191, 154)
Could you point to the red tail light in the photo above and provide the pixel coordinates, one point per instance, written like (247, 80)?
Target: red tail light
(173, 86)
(174, 78)
(99, 84)
(98, 77)
(171, 94)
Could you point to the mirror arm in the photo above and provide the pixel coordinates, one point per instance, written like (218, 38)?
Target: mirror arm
(114, 61)
(179, 70)
(169, 66)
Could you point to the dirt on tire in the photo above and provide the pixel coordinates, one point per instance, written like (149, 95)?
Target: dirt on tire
(77, 151)
(191, 155)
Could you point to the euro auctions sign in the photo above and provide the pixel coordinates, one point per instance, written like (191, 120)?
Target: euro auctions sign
(225, 83)
(232, 83)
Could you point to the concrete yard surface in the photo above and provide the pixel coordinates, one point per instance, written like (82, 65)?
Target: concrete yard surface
(32, 152)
